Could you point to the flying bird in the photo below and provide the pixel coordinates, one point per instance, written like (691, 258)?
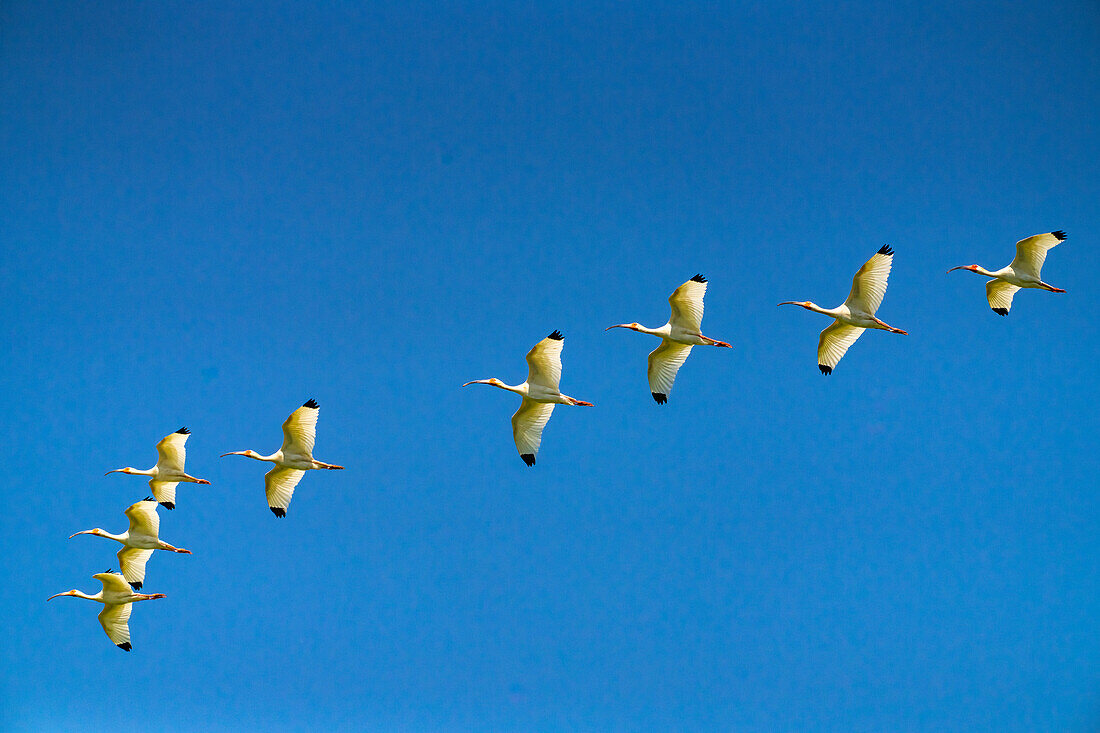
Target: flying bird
(1022, 272)
(292, 460)
(116, 598)
(855, 314)
(683, 330)
(171, 454)
(540, 394)
(138, 542)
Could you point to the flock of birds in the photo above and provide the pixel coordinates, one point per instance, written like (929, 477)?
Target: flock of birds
(119, 590)
(684, 330)
(539, 395)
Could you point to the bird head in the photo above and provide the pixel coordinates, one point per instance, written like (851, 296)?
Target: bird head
(802, 303)
(128, 469)
(972, 268)
(249, 453)
(96, 531)
(631, 326)
(493, 381)
(72, 592)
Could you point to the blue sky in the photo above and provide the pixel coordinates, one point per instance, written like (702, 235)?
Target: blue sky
(214, 213)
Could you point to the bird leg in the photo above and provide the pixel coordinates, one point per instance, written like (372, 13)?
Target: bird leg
(887, 327)
(194, 480)
(1051, 288)
(714, 342)
(329, 466)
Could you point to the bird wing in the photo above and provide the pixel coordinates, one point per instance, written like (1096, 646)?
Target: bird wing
(164, 491)
(115, 620)
(834, 342)
(172, 452)
(113, 583)
(144, 518)
(664, 362)
(869, 283)
(527, 426)
(300, 429)
(687, 305)
(279, 483)
(131, 560)
(544, 362)
(1031, 253)
(999, 293)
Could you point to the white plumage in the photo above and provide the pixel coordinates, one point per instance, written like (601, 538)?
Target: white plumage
(1025, 271)
(293, 459)
(169, 471)
(117, 598)
(683, 330)
(138, 542)
(540, 393)
(856, 313)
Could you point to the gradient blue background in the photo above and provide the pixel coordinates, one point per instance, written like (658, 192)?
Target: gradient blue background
(211, 214)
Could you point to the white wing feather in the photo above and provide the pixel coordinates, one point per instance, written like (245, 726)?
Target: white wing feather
(999, 293)
(687, 306)
(131, 560)
(172, 453)
(869, 283)
(834, 343)
(527, 425)
(300, 430)
(113, 584)
(1031, 253)
(144, 519)
(164, 491)
(279, 483)
(544, 362)
(664, 362)
(115, 620)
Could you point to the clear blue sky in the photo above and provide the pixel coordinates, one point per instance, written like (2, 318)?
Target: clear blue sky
(211, 214)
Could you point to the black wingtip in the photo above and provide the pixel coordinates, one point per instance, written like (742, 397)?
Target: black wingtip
(109, 570)
(698, 279)
(826, 370)
(1059, 235)
(169, 505)
(1001, 311)
(528, 458)
(885, 250)
(556, 336)
(183, 431)
(136, 585)
(311, 403)
(659, 398)
(280, 513)
(148, 498)
(124, 646)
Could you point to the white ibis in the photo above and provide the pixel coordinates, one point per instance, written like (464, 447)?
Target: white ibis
(540, 394)
(855, 314)
(171, 454)
(683, 330)
(138, 542)
(116, 598)
(292, 460)
(1022, 272)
